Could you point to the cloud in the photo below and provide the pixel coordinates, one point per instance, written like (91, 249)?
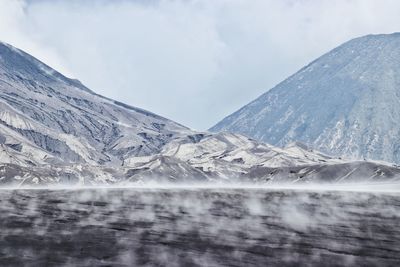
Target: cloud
(191, 61)
(13, 30)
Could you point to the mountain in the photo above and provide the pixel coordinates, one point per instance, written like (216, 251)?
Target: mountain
(53, 119)
(55, 131)
(207, 158)
(227, 158)
(347, 102)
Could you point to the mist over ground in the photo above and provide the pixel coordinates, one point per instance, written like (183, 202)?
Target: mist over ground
(89, 181)
(199, 227)
(153, 185)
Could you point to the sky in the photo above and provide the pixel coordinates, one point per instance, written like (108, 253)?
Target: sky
(194, 62)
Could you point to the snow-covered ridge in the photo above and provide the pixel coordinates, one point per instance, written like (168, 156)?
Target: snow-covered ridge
(15, 120)
(228, 163)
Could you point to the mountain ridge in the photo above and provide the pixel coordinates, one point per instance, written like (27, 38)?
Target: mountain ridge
(54, 133)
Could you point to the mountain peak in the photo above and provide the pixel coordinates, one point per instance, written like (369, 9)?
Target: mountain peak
(346, 102)
(14, 61)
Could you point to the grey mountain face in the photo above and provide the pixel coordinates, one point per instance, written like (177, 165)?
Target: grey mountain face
(346, 102)
(54, 130)
(208, 159)
(52, 118)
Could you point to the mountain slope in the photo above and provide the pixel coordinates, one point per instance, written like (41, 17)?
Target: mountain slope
(208, 159)
(347, 102)
(62, 120)
(55, 131)
(234, 158)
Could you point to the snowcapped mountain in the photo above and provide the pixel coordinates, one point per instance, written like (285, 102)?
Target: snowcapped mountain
(51, 118)
(54, 130)
(347, 102)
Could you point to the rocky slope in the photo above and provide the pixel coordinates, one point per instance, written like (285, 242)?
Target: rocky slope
(347, 102)
(55, 131)
(226, 157)
(52, 119)
(208, 158)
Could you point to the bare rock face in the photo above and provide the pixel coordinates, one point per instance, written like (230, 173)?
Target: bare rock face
(55, 131)
(345, 103)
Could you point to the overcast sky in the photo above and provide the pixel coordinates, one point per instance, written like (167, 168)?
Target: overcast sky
(191, 61)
